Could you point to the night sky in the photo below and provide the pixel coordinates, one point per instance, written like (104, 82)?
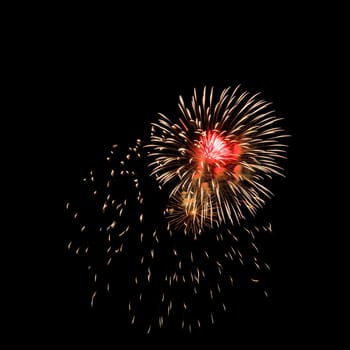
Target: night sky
(104, 81)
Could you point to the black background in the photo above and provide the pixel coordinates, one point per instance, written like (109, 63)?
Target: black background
(100, 78)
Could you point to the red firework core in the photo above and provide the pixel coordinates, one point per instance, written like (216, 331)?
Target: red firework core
(220, 154)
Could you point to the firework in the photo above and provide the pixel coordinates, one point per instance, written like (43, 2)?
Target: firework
(216, 156)
(179, 211)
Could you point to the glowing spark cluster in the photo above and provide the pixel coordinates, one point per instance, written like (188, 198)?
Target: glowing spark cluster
(175, 211)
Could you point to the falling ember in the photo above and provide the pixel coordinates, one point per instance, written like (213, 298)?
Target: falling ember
(179, 211)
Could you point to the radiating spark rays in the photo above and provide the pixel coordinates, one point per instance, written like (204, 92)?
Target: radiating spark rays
(237, 118)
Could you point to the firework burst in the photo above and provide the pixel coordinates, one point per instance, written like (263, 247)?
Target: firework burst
(175, 210)
(217, 156)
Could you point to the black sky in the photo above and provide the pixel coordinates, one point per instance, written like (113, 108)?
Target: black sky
(104, 79)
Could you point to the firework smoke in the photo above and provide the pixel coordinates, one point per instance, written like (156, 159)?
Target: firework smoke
(179, 211)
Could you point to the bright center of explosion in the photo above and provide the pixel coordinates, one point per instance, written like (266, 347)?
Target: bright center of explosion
(218, 153)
